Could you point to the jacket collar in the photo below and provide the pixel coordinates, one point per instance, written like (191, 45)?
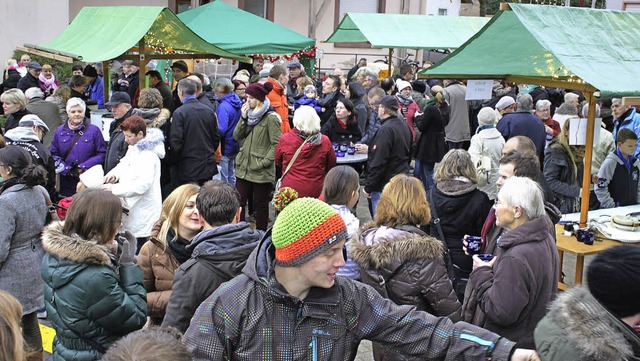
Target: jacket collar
(535, 230)
(73, 247)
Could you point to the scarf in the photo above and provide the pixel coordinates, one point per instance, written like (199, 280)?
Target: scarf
(48, 83)
(255, 115)
(404, 100)
(341, 123)
(178, 247)
(9, 183)
(74, 127)
(313, 139)
(483, 127)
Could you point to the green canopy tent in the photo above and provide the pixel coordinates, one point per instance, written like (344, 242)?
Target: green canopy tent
(141, 33)
(241, 32)
(403, 31)
(594, 51)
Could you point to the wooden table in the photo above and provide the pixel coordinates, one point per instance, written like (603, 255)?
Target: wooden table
(571, 245)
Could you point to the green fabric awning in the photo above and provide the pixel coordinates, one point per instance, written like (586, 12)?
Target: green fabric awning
(543, 43)
(407, 31)
(107, 32)
(241, 32)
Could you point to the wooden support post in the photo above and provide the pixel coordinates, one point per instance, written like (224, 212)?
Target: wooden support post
(106, 79)
(142, 63)
(390, 60)
(588, 156)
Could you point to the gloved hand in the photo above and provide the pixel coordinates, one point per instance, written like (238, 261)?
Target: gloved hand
(128, 244)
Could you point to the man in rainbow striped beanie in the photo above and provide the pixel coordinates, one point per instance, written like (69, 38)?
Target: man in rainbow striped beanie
(288, 304)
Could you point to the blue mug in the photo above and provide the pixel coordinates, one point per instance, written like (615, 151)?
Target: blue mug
(474, 243)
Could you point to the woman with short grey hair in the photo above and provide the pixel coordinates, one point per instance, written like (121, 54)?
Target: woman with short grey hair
(509, 292)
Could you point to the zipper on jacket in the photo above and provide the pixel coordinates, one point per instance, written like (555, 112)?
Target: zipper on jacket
(314, 348)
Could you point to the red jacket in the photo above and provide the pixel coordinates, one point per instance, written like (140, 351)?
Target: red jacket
(278, 100)
(306, 175)
(409, 112)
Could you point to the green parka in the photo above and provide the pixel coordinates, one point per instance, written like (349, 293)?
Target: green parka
(85, 290)
(256, 160)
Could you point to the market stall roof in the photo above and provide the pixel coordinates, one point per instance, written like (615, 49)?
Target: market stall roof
(241, 32)
(574, 48)
(108, 32)
(407, 31)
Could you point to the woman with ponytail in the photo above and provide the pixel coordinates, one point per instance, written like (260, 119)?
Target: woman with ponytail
(23, 212)
(430, 147)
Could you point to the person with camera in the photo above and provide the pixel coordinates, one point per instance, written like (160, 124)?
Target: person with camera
(509, 293)
(77, 146)
(93, 290)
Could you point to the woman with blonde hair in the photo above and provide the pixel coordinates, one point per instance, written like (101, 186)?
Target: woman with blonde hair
(48, 79)
(315, 154)
(60, 96)
(459, 208)
(12, 347)
(563, 170)
(11, 75)
(166, 249)
(400, 260)
(14, 104)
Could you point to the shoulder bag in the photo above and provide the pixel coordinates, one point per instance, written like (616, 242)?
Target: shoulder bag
(293, 159)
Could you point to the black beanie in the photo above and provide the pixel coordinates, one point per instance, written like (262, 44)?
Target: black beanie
(419, 86)
(90, 71)
(614, 279)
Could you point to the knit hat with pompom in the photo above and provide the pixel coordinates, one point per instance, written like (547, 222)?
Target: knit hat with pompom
(259, 91)
(304, 229)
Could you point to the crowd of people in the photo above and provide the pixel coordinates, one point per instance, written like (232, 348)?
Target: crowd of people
(160, 234)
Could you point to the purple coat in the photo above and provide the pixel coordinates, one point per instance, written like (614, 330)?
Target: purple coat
(89, 150)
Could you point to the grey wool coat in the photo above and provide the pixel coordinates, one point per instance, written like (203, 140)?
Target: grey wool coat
(23, 212)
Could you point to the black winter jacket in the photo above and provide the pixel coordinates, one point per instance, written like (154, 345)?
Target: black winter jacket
(13, 77)
(194, 138)
(28, 81)
(431, 146)
(219, 254)
(562, 178)
(389, 153)
(337, 134)
(117, 147)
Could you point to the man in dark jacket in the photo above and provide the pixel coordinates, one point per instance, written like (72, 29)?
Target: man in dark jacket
(288, 303)
(180, 71)
(330, 96)
(156, 81)
(219, 252)
(194, 137)
(130, 82)
(47, 111)
(120, 106)
(523, 122)
(30, 79)
(389, 150)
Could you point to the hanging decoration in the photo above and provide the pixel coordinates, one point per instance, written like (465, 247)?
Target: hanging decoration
(309, 52)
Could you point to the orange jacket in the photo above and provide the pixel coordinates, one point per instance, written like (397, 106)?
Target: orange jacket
(278, 100)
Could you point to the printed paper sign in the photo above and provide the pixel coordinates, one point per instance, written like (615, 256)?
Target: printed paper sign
(479, 89)
(578, 131)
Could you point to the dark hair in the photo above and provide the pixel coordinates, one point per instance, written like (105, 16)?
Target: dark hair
(134, 124)
(337, 82)
(22, 166)
(625, 134)
(356, 90)
(237, 83)
(339, 185)
(76, 67)
(151, 344)
(405, 68)
(77, 80)
(154, 74)
(277, 70)
(525, 164)
(93, 222)
(349, 106)
(387, 84)
(218, 202)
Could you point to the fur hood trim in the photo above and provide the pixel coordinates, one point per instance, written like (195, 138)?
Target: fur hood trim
(153, 139)
(401, 246)
(73, 247)
(154, 117)
(455, 187)
(589, 326)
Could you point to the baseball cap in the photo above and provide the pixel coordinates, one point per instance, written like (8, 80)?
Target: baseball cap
(32, 120)
(34, 65)
(389, 102)
(294, 65)
(117, 98)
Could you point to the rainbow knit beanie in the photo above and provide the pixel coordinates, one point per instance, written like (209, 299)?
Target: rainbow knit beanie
(304, 229)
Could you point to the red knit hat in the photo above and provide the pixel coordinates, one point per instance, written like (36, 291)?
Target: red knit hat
(259, 91)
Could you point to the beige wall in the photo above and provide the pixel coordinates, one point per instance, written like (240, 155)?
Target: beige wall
(32, 22)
